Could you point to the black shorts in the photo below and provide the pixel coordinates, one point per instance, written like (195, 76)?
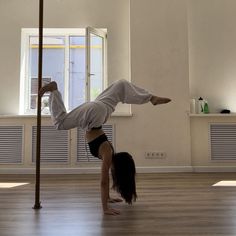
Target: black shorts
(95, 144)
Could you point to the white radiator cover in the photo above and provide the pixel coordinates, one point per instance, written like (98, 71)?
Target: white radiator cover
(54, 144)
(223, 141)
(83, 153)
(11, 144)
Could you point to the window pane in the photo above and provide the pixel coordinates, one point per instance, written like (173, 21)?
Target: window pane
(96, 66)
(34, 94)
(77, 80)
(53, 66)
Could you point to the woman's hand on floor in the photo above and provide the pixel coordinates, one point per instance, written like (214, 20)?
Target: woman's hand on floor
(111, 211)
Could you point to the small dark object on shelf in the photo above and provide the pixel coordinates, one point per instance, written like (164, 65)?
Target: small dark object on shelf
(225, 111)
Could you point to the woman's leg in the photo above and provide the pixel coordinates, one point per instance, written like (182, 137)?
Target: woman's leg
(57, 108)
(125, 92)
(61, 119)
(56, 105)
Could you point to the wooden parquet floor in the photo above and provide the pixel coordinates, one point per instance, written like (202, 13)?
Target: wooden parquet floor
(178, 204)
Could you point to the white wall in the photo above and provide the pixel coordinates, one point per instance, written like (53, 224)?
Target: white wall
(159, 57)
(212, 60)
(212, 50)
(159, 62)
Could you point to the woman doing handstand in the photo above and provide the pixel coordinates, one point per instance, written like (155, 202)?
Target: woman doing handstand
(90, 116)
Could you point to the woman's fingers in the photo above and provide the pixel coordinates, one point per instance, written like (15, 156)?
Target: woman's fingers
(111, 211)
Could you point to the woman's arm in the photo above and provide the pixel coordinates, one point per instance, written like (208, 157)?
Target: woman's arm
(106, 153)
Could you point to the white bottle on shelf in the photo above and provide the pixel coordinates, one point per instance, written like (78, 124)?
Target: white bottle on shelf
(192, 106)
(201, 104)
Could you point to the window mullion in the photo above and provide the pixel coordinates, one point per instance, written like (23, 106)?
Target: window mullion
(87, 96)
(67, 71)
(104, 54)
(27, 75)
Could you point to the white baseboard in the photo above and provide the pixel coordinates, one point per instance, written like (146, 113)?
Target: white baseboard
(65, 171)
(164, 169)
(214, 168)
(92, 170)
(96, 170)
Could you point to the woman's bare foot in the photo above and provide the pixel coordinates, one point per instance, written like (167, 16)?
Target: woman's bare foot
(159, 100)
(48, 88)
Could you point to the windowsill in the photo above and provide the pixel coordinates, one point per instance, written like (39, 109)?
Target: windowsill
(21, 116)
(213, 115)
(48, 116)
(121, 114)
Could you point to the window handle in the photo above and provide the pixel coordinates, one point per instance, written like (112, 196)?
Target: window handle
(90, 74)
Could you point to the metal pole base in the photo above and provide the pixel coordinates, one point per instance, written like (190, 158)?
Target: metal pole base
(37, 206)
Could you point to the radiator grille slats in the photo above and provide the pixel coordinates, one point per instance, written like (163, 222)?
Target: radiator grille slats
(11, 144)
(83, 152)
(223, 141)
(54, 144)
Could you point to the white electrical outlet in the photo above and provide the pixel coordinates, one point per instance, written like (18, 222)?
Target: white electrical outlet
(155, 155)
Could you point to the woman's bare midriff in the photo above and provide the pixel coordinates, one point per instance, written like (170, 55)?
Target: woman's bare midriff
(92, 134)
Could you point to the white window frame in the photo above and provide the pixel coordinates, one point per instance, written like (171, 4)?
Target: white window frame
(24, 106)
(102, 34)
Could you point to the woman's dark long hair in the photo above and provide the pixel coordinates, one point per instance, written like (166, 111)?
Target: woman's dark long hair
(123, 175)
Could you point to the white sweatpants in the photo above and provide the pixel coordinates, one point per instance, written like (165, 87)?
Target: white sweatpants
(93, 114)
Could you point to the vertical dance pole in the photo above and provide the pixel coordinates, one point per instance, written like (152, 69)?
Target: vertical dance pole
(37, 204)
